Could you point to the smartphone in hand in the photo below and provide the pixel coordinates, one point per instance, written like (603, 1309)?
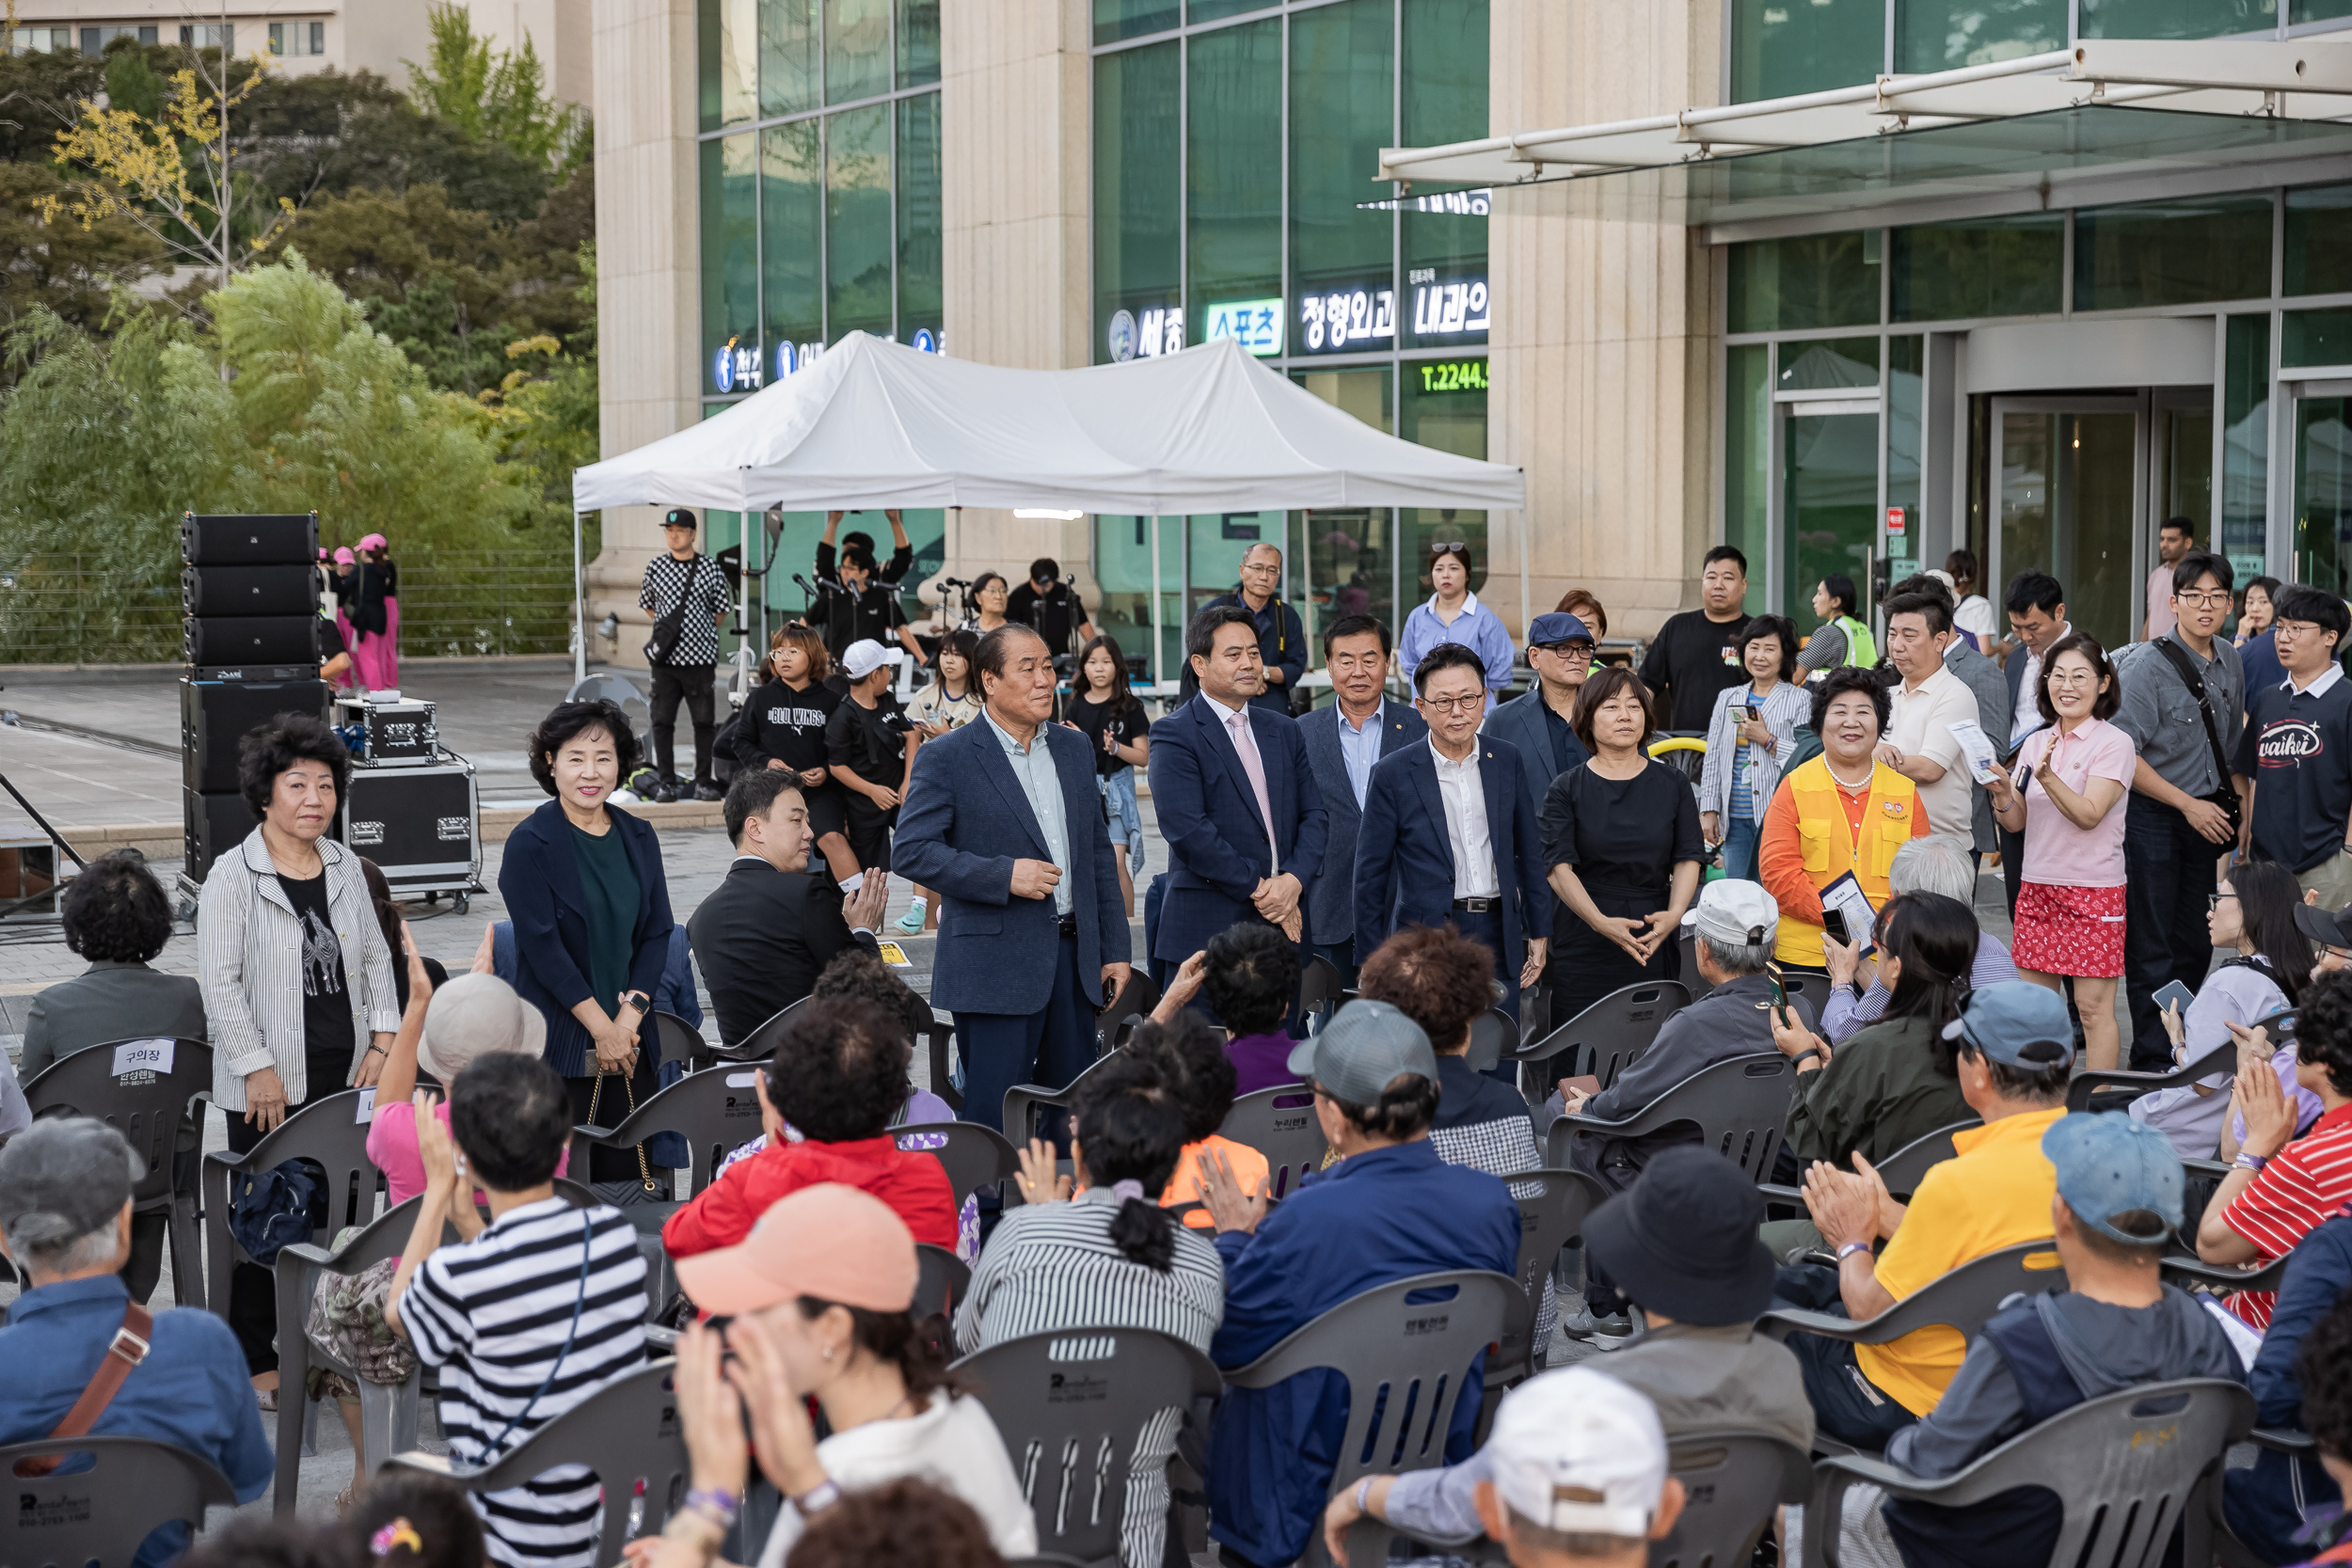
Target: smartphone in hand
(1834, 921)
(2174, 994)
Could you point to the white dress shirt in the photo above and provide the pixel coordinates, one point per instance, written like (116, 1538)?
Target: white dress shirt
(1464, 795)
(1920, 725)
(2028, 717)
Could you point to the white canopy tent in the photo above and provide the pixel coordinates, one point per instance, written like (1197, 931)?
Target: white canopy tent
(877, 424)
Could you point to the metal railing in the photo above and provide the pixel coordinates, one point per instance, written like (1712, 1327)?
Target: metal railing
(82, 609)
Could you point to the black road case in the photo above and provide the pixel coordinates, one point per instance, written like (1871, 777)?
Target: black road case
(422, 825)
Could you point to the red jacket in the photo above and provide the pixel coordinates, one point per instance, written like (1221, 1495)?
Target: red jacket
(913, 1184)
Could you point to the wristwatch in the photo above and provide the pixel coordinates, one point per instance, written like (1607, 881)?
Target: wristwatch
(638, 1000)
(2249, 1161)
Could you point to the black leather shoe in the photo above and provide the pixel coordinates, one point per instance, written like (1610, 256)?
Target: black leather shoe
(665, 792)
(709, 791)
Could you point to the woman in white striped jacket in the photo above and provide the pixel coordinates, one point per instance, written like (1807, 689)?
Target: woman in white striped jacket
(1745, 755)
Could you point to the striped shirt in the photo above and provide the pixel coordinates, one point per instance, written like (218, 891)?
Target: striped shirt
(1054, 1266)
(494, 1314)
(2307, 1184)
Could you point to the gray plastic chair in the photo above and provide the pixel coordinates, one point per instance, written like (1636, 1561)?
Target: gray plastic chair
(1405, 1362)
(1278, 1123)
(2116, 1088)
(1025, 1100)
(628, 1433)
(2186, 1272)
(56, 1521)
(329, 1131)
(1608, 1036)
(682, 1044)
(620, 692)
(1552, 1207)
(2127, 1468)
(1319, 992)
(1072, 1406)
(1738, 1105)
(975, 1156)
(762, 1041)
(939, 1044)
(941, 1281)
(1493, 1032)
(1135, 999)
(146, 1108)
(1900, 1170)
(1960, 1300)
(715, 1110)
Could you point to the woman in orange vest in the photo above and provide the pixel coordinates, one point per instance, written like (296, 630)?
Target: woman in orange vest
(1843, 811)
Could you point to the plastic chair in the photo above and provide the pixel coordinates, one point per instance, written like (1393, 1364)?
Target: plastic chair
(2117, 1089)
(1278, 1123)
(1073, 1406)
(1493, 1032)
(2125, 1467)
(1023, 1102)
(1901, 1170)
(1608, 1034)
(627, 1432)
(330, 1131)
(146, 1108)
(1740, 1106)
(715, 1110)
(1552, 1207)
(619, 690)
(1405, 1361)
(1319, 992)
(682, 1044)
(939, 1043)
(941, 1281)
(103, 1514)
(1135, 999)
(1960, 1300)
(762, 1041)
(975, 1156)
(2186, 1272)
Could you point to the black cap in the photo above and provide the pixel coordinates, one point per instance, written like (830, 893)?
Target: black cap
(1681, 1241)
(2329, 930)
(680, 516)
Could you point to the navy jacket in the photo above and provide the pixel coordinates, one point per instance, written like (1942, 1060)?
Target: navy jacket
(540, 882)
(2264, 1505)
(967, 819)
(1405, 856)
(1216, 841)
(1522, 723)
(1281, 645)
(1331, 901)
(1382, 1216)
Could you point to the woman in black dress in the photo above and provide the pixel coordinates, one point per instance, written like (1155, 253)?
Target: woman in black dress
(1621, 834)
(783, 728)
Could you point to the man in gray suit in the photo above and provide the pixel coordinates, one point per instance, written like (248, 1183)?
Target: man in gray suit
(1343, 740)
(1560, 651)
(1985, 680)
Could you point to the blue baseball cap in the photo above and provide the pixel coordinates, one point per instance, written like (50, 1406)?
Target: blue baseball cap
(2008, 1021)
(2109, 1165)
(1557, 627)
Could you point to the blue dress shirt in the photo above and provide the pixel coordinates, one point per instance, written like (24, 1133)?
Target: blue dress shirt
(1033, 765)
(1476, 627)
(1359, 749)
(191, 1392)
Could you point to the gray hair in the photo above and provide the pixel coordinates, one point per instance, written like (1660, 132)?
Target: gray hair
(1738, 958)
(63, 1183)
(33, 1242)
(1936, 863)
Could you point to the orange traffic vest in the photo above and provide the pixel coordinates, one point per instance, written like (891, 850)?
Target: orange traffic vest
(1832, 850)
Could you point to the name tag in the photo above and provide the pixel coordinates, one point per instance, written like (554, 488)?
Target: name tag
(367, 1106)
(144, 1056)
(740, 1080)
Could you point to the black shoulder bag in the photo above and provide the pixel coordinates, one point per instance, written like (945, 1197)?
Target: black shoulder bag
(664, 641)
(2225, 797)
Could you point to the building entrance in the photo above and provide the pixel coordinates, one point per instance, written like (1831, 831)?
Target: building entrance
(2069, 472)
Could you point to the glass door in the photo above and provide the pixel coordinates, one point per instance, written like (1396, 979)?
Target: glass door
(2323, 486)
(2071, 502)
(1830, 499)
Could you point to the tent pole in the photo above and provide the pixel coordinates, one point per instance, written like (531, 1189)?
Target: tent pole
(1525, 624)
(580, 610)
(1158, 673)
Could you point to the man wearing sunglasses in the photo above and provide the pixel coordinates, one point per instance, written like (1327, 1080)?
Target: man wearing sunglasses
(1281, 637)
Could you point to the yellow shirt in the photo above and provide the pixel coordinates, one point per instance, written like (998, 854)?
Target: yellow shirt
(1995, 1192)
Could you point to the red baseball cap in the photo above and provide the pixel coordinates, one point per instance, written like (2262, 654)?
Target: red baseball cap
(835, 1243)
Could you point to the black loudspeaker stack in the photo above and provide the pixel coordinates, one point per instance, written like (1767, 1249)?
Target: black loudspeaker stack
(249, 587)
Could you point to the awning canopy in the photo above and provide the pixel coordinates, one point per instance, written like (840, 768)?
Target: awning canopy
(878, 425)
(2118, 118)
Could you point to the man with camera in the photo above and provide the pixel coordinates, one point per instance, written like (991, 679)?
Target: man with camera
(1051, 608)
(1281, 636)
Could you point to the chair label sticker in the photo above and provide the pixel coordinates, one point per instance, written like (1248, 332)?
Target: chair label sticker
(143, 1056)
(366, 1111)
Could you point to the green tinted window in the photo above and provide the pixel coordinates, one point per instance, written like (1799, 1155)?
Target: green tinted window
(727, 63)
(2318, 258)
(2176, 19)
(1779, 47)
(788, 64)
(918, 216)
(1342, 275)
(1125, 19)
(1826, 364)
(2172, 253)
(1217, 11)
(2245, 449)
(1905, 358)
(2319, 10)
(857, 49)
(1444, 98)
(730, 257)
(1137, 150)
(1945, 34)
(2315, 338)
(919, 43)
(1234, 95)
(2012, 267)
(1796, 285)
(791, 208)
(857, 221)
(1747, 460)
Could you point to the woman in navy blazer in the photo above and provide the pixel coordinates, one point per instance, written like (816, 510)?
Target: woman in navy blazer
(584, 888)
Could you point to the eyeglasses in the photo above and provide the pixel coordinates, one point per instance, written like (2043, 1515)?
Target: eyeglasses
(1565, 649)
(1261, 565)
(2205, 601)
(2213, 901)
(1454, 705)
(2073, 677)
(1440, 547)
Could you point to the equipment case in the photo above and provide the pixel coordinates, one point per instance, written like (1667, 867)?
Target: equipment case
(421, 825)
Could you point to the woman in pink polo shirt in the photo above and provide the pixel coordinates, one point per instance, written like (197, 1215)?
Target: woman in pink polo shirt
(2067, 798)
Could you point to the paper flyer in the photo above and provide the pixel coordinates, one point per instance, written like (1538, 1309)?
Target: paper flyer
(1983, 761)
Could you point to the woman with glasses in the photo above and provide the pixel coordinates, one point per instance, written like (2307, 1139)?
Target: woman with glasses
(988, 598)
(1454, 615)
(2067, 799)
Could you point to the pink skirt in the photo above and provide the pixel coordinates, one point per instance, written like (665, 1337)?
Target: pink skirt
(2070, 930)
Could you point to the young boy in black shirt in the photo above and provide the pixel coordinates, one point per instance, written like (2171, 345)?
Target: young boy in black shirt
(872, 754)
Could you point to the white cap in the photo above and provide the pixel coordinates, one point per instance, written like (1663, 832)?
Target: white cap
(1578, 1452)
(1732, 910)
(863, 656)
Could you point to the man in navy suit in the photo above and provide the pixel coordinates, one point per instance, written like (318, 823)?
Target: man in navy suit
(1343, 740)
(1560, 651)
(1449, 832)
(1236, 799)
(1002, 818)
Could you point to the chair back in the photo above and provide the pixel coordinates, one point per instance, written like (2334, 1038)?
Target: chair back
(1493, 1034)
(939, 1043)
(1319, 992)
(144, 1103)
(1739, 1104)
(627, 1432)
(1135, 999)
(2115, 1088)
(1406, 1350)
(1902, 1169)
(1023, 1102)
(762, 1041)
(682, 1044)
(975, 1156)
(620, 692)
(940, 1283)
(2127, 1468)
(330, 1130)
(1608, 1036)
(1964, 1299)
(1552, 1207)
(1278, 1123)
(1731, 1483)
(1071, 1408)
(714, 1111)
(56, 1521)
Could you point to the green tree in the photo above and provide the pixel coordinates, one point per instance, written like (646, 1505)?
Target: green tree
(494, 95)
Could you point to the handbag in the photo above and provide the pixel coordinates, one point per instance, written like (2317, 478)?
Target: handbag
(270, 1208)
(624, 1194)
(2225, 797)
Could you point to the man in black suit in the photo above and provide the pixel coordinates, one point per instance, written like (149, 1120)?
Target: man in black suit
(764, 934)
(1343, 740)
